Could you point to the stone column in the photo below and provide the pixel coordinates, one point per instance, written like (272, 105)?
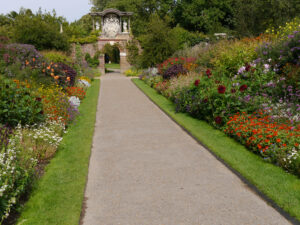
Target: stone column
(102, 64)
(124, 64)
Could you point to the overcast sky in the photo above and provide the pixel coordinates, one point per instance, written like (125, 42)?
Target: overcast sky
(70, 9)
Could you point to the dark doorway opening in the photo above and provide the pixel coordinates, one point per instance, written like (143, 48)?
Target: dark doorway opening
(112, 57)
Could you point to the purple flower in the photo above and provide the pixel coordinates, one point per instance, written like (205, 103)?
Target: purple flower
(247, 98)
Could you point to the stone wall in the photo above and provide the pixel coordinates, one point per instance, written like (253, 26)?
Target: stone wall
(85, 48)
(121, 40)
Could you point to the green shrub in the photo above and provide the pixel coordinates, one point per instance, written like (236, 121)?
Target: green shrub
(18, 104)
(133, 52)
(57, 57)
(84, 40)
(132, 73)
(40, 33)
(92, 61)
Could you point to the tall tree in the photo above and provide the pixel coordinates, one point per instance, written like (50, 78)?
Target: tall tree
(253, 17)
(203, 15)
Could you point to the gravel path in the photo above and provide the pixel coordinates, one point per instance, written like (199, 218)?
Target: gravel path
(145, 170)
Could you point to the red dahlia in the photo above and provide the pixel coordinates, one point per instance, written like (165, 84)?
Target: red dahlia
(233, 91)
(221, 89)
(248, 67)
(218, 120)
(208, 72)
(197, 83)
(243, 87)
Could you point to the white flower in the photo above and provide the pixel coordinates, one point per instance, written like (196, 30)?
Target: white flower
(84, 82)
(75, 101)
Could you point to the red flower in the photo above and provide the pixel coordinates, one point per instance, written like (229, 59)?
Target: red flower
(248, 67)
(205, 100)
(243, 87)
(208, 72)
(233, 91)
(221, 89)
(197, 83)
(218, 120)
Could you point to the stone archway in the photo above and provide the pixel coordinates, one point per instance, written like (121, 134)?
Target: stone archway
(115, 27)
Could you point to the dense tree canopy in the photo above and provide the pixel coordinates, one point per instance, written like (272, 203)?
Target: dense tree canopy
(40, 29)
(243, 17)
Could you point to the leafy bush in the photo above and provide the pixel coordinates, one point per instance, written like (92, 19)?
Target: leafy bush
(21, 53)
(19, 105)
(92, 61)
(40, 31)
(133, 52)
(84, 40)
(69, 72)
(57, 57)
(282, 52)
(228, 56)
(132, 73)
(284, 31)
(173, 71)
(158, 43)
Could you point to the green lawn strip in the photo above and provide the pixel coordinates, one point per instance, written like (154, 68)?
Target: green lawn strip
(112, 66)
(59, 194)
(282, 188)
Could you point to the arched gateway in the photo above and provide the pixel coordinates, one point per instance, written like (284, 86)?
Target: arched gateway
(115, 30)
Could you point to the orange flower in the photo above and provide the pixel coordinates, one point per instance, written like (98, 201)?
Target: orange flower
(48, 68)
(278, 140)
(26, 62)
(44, 70)
(56, 77)
(68, 78)
(33, 59)
(284, 145)
(259, 146)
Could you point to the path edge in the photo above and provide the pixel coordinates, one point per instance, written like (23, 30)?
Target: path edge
(84, 202)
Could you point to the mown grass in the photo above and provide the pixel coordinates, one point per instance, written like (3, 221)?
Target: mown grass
(277, 185)
(112, 66)
(58, 196)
